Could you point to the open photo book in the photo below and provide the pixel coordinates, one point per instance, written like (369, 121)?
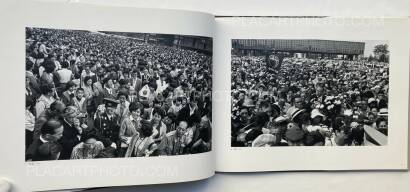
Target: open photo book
(113, 96)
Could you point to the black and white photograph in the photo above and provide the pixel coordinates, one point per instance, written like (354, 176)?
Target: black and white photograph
(103, 94)
(309, 92)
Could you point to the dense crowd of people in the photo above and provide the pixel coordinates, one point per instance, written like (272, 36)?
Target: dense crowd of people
(307, 102)
(99, 95)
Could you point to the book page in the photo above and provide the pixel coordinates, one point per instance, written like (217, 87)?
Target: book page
(108, 96)
(311, 93)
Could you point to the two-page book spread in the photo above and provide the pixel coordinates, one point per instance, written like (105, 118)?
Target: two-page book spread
(109, 96)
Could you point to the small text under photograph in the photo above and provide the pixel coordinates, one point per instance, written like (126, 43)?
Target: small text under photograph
(309, 92)
(100, 94)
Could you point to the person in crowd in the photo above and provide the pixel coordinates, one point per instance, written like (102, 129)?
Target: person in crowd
(176, 106)
(89, 147)
(122, 107)
(87, 72)
(46, 147)
(31, 92)
(294, 135)
(175, 142)
(162, 83)
(47, 77)
(131, 125)
(55, 111)
(32, 82)
(45, 100)
(159, 127)
(64, 75)
(79, 101)
(29, 121)
(381, 125)
(238, 125)
(202, 139)
(106, 121)
(169, 121)
(190, 113)
(69, 93)
(88, 87)
(260, 120)
(136, 81)
(142, 144)
(72, 131)
(98, 87)
(107, 91)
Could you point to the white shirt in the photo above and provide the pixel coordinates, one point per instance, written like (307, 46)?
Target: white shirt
(133, 83)
(30, 121)
(84, 74)
(191, 111)
(64, 75)
(41, 70)
(161, 86)
(43, 103)
(179, 92)
(189, 134)
(58, 65)
(174, 73)
(42, 48)
(109, 90)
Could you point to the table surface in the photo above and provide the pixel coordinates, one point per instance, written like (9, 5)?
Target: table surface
(342, 181)
(378, 8)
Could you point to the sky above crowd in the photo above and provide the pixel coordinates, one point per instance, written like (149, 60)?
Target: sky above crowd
(369, 46)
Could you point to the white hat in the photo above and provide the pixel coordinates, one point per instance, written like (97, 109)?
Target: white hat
(280, 119)
(293, 112)
(315, 113)
(265, 140)
(371, 100)
(383, 112)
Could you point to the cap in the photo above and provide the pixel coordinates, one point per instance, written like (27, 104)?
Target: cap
(248, 103)
(110, 102)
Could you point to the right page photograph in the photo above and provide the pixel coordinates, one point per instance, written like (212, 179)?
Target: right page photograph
(312, 94)
(309, 92)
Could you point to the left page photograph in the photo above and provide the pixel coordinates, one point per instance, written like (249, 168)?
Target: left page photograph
(107, 96)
